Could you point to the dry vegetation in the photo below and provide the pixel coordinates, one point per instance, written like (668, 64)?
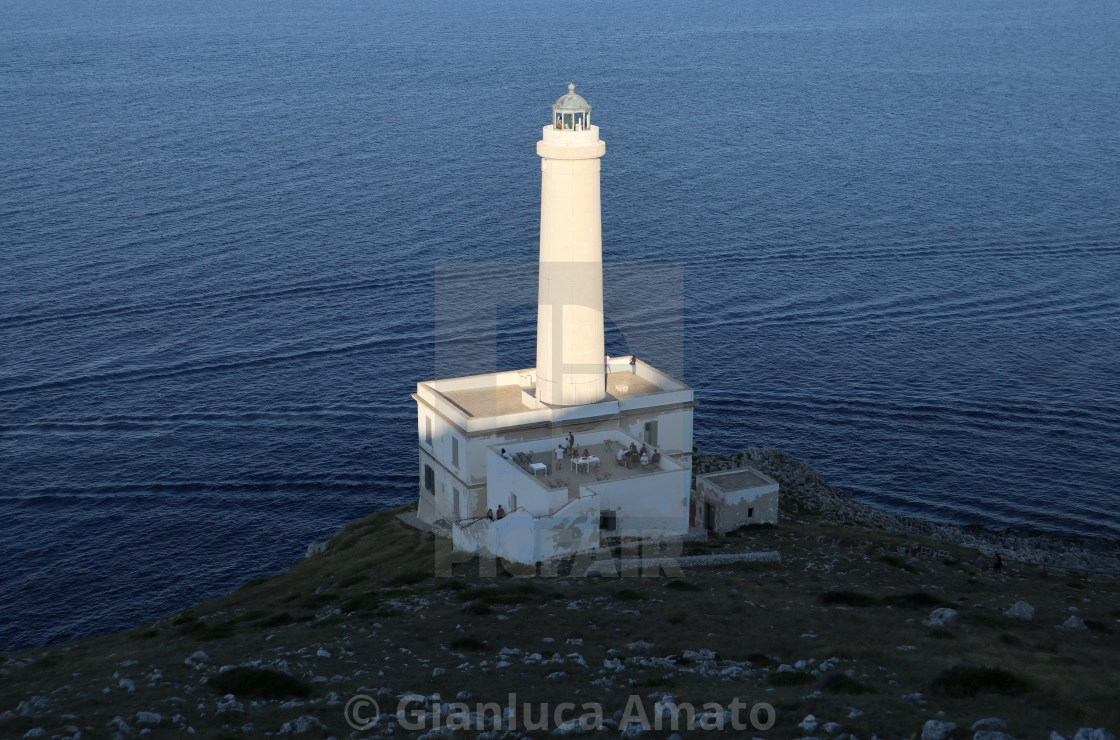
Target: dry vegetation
(852, 599)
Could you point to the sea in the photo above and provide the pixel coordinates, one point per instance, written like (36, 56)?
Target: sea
(882, 235)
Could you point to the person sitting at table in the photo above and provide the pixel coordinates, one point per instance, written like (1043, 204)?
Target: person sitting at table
(506, 455)
(501, 512)
(586, 453)
(655, 457)
(490, 514)
(620, 458)
(642, 451)
(645, 459)
(633, 448)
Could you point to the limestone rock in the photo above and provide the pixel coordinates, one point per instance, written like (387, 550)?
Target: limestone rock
(989, 723)
(809, 724)
(301, 725)
(1020, 610)
(1075, 624)
(148, 718)
(943, 617)
(1088, 733)
(937, 730)
(991, 735)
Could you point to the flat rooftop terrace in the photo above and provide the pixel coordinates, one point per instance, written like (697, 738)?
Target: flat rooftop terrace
(481, 397)
(738, 480)
(500, 400)
(564, 473)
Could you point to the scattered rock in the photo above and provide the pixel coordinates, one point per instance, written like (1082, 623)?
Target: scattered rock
(198, 657)
(989, 723)
(937, 730)
(809, 724)
(148, 718)
(322, 653)
(1074, 624)
(943, 617)
(991, 735)
(228, 704)
(1020, 610)
(300, 725)
(1088, 733)
(127, 683)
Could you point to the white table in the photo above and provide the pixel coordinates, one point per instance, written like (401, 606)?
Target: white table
(585, 462)
(538, 468)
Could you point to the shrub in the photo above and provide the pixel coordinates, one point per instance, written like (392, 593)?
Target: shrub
(988, 620)
(629, 594)
(839, 683)
(679, 585)
(260, 683)
(940, 633)
(790, 678)
(469, 643)
(898, 563)
(477, 608)
(963, 681)
(276, 620)
(848, 598)
(1097, 626)
(916, 600)
(679, 618)
(761, 659)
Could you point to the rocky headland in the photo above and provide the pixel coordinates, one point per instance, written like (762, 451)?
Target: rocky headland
(842, 622)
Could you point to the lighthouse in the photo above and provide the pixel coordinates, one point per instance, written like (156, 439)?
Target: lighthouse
(534, 463)
(570, 290)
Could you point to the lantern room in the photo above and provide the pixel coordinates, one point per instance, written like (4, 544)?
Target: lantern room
(571, 112)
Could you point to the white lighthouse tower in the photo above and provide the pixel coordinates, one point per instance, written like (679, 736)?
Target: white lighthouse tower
(535, 463)
(570, 291)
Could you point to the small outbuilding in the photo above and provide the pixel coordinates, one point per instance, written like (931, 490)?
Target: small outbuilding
(729, 499)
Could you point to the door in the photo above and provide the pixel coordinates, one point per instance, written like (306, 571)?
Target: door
(709, 517)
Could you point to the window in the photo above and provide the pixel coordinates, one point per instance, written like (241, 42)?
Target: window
(428, 430)
(750, 513)
(512, 502)
(455, 504)
(455, 451)
(608, 521)
(429, 479)
(649, 435)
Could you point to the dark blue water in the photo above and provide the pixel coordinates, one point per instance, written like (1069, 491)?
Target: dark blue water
(897, 227)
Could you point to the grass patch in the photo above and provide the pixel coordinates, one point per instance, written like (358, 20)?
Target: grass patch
(791, 678)
(964, 681)
(1075, 584)
(838, 683)
(515, 594)
(199, 630)
(679, 585)
(318, 601)
(260, 683)
(848, 598)
(470, 643)
(352, 580)
(629, 594)
(656, 681)
(940, 633)
(678, 618)
(410, 579)
(988, 620)
(146, 634)
(366, 602)
(916, 600)
(898, 563)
